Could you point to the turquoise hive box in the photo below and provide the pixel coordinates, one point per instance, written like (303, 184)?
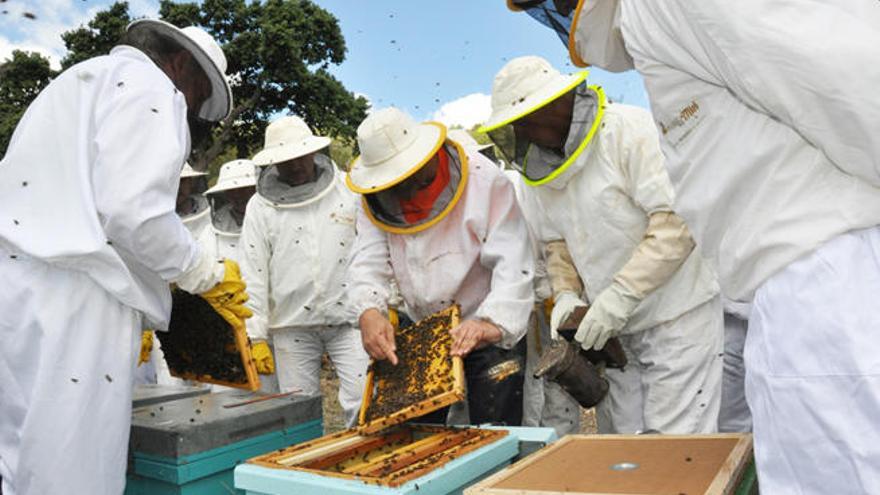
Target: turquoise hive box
(191, 446)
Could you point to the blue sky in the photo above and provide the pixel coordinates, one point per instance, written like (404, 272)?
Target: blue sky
(433, 59)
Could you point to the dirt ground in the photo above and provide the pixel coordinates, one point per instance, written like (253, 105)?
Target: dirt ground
(334, 421)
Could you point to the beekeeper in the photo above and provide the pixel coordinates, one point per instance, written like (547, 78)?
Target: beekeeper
(602, 43)
(192, 205)
(89, 241)
(599, 184)
(443, 223)
(777, 172)
(545, 403)
(228, 200)
(294, 252)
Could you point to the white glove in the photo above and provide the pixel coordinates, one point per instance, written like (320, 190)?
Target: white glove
(606, 317)
(563, 306)
(205, 273)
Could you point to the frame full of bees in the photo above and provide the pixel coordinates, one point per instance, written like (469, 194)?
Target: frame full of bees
(381, 450)
(201, 346)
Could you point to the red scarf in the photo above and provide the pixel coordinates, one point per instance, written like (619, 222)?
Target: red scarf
(419, 206)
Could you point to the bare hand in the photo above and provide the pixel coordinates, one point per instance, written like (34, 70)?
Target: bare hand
(377, 334)
(473, 334)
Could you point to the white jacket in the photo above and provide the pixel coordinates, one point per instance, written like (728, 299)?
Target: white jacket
(220, 245)
(294, 260)
(89, 180)
(600, 207)
(543, 290)
(768, 114)
(478, 256)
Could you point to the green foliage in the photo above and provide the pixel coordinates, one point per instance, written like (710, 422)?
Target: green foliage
(22, 77)
(98, 37)
(277, 51)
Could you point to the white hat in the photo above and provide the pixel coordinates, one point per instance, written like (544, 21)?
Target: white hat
(234, 175)
(209, 56)
(524, 85)
(467, 141)
(288, 138)
(393, 147)
(188, 172)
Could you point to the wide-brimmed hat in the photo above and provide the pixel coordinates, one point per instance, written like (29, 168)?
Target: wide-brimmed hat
(207, 53)
(393, 147)
(234, 175)
(188, 172)
(524, 85)
(288, 138)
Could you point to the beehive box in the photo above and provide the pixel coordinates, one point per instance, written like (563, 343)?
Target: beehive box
(382, 455)
(631, 465)
(191, 446)
(201, 346)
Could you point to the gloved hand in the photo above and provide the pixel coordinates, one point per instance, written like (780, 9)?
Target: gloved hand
(228, 296)
(146, 346)
(262, 355)
(563, 306)
(606, 317)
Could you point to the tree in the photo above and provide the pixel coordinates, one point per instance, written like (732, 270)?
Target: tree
(278, 53)
(98, 37)
(22, 77)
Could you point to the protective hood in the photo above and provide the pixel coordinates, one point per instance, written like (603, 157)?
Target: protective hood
(539, 165)
(390, 214)
(595, 37)
(555, 14)
(223, 220)
(280, 194)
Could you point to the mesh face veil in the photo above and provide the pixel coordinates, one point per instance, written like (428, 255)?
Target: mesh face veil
(272, 187)
(555, 14)
(193, 201)
(224, 217)
(540, 164)
(394, 212)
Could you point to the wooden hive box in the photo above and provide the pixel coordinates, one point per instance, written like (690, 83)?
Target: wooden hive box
(383, 454)
(630, 465)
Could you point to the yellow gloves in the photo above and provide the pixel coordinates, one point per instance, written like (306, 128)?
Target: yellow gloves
(146, 346)
(262, 355)
(228, 296)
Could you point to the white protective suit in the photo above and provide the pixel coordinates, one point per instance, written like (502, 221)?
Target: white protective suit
(89, 241)
(294, 259)
(734, 415)
(198, 219)
(766, 112)
(600, 207)
(219, 244)
(475, 256)
(545, 403)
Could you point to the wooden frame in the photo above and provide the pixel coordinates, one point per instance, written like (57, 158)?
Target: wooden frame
(389, 459)
(432, 403)
(724, 483)
(250, 367)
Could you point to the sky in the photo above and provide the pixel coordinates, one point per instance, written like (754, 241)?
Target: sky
(435, 60)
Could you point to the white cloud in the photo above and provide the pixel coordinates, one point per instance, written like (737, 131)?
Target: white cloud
(54, 17)
(7, 47)
(369, 101)
(466, 111)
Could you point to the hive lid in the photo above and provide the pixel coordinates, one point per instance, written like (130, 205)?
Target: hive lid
(426, 378)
